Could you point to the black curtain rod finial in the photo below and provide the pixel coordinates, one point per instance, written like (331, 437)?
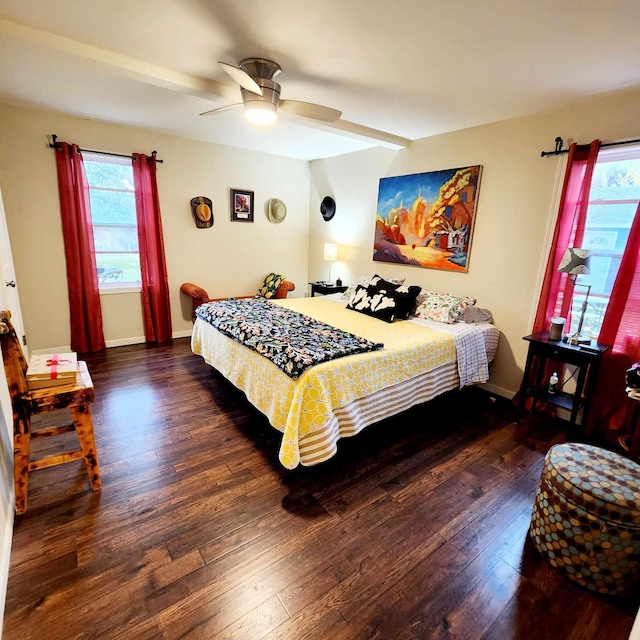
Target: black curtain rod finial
(558, 148)
(559, 143)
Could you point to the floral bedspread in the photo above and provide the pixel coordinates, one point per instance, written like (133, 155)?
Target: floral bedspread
(291, 340)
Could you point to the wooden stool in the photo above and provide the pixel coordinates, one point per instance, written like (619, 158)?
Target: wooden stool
(74, 396)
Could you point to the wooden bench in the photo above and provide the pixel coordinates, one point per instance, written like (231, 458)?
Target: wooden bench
(199, 296)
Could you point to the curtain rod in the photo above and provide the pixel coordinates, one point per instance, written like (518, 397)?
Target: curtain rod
(559, 142)
(54, 137)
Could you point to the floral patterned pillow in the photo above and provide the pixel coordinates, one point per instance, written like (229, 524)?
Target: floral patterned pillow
(442, 307)
(270, 285)
(365, 281)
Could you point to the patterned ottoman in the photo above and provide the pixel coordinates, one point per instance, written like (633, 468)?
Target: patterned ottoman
(586, 517)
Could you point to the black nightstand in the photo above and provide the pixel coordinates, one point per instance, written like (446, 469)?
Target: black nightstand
(588, 361)
(325, 289)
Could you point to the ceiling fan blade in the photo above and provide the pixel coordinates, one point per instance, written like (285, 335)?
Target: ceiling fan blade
(241, 77)
(219, 109)
(310, 110)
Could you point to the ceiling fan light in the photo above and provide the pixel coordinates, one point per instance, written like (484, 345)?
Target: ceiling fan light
(260, 113)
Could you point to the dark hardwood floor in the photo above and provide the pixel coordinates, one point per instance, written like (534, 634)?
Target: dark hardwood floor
(417, 529)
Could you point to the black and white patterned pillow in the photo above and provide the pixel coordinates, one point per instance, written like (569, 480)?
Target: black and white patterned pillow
(406, 300)
(364, 281)
(384, 300)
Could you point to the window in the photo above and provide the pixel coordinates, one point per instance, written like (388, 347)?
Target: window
(613, 200)
(113, 215)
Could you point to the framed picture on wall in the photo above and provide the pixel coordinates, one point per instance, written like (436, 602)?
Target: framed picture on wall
(426, 219)
(241, 205)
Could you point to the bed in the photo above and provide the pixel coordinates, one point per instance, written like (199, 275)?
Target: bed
(421, 359)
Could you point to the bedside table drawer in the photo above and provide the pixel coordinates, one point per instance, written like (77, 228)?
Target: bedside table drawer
(568, 356)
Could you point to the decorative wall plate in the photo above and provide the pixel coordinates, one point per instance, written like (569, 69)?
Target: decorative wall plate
(328, 208)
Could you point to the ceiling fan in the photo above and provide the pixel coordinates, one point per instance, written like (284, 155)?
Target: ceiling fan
(261, 94)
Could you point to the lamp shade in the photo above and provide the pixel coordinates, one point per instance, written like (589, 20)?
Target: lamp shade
(575, 261)
(330, 252)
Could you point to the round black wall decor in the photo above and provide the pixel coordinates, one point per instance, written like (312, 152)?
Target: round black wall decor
(328, 208)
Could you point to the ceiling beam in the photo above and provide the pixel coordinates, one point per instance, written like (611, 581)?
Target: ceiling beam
(350, 130)
(174, 80)
(123, 65)
(366, 134)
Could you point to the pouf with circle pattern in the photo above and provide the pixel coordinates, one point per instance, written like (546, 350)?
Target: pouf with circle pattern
(586, 517)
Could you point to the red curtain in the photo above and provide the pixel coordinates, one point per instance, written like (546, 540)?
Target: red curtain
(82, 276)
(557, 287)
(155, 287)
(620, 328)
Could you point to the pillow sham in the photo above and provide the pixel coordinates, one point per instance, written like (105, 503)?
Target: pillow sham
(441, 307)
(363, 282)
(475, 315)
(270, 285)
(384, 300)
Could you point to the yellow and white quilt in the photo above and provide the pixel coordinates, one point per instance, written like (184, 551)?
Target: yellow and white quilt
(301, 407)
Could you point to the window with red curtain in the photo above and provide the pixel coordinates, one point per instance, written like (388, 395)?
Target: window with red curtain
(599, 211)
(115, 227)
(82, 272)
(84, 296)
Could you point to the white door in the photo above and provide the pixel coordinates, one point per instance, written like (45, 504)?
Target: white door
(9, 298)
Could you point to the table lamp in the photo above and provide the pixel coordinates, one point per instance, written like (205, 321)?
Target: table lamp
(575, 262)
(330, 255)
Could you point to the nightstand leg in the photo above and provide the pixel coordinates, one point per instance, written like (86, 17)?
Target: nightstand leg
(525, 381)
(591, 389)
(542, 366)
(577, 398)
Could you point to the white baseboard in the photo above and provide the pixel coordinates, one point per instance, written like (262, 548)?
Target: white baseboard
(500, 391)
(5, 556)
(124, 342)
(119, 342)
(64, 349)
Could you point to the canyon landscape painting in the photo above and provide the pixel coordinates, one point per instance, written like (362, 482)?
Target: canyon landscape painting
(426, 219)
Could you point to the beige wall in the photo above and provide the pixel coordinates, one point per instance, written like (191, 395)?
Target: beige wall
(513, 213)
(227, 259)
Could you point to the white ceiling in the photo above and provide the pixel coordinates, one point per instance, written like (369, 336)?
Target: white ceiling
(407, 68)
